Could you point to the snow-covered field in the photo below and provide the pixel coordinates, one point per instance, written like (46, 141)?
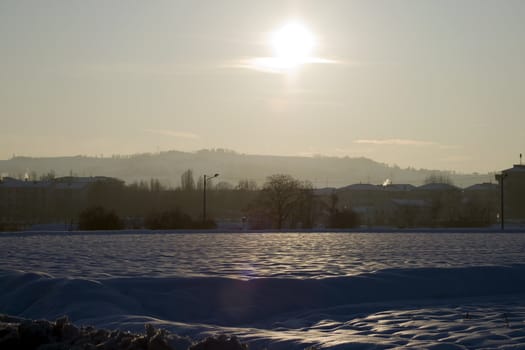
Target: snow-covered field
(280, 290)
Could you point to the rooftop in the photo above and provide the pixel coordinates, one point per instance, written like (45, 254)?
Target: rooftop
(515, 169)
(486, 186)
(437, 187)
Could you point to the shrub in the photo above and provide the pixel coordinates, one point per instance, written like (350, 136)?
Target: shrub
(99, 218)
(9, 226)
(175, 219)
(344, 219)
(208, 224)
(168, 220)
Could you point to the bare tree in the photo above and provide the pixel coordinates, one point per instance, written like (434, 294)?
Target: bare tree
(187, 183)
(279, 197)
(307, 206)
(155, 185)
(200, 183)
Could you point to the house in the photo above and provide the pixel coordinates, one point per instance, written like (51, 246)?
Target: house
(513, 193)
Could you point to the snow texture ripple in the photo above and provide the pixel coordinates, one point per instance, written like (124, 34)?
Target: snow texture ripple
(251, 255)
(279, 291)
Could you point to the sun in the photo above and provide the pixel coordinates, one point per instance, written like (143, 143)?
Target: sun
(292, 45)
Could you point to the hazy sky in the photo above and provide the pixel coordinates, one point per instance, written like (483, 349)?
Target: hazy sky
(434, 84)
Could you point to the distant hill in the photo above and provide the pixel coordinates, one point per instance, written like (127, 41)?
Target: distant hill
(232, 167)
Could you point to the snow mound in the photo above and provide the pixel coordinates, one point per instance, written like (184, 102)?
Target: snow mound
(423, 308)
(231, 302)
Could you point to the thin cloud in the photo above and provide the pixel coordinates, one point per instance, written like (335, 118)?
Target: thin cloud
(172, 133)
(160, 70)
(277, 65)
(395, 142)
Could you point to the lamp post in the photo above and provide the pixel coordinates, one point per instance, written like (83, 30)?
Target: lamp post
(502, 204)
(206, 179)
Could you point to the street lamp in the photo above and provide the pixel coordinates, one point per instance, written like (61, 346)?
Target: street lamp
(206, 179)
(502, 204)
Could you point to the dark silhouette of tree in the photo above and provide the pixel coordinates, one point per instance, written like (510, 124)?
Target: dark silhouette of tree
(200, 183)
(345, 218)
(187, 182)
(307, 207)
(155, 185)
(99, 218)
(279, 196)
(109, 193)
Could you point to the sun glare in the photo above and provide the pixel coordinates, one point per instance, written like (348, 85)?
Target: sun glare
(292, 46)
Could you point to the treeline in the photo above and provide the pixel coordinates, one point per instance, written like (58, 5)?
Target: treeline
(100, 218)
(282, 202)
(139, 200)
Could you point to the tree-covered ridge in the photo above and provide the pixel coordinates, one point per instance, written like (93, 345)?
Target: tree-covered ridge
(168, 167)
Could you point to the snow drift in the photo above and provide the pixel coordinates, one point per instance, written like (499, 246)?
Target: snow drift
(265, 303)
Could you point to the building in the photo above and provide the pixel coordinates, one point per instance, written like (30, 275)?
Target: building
(428, 205)
(513, 193)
